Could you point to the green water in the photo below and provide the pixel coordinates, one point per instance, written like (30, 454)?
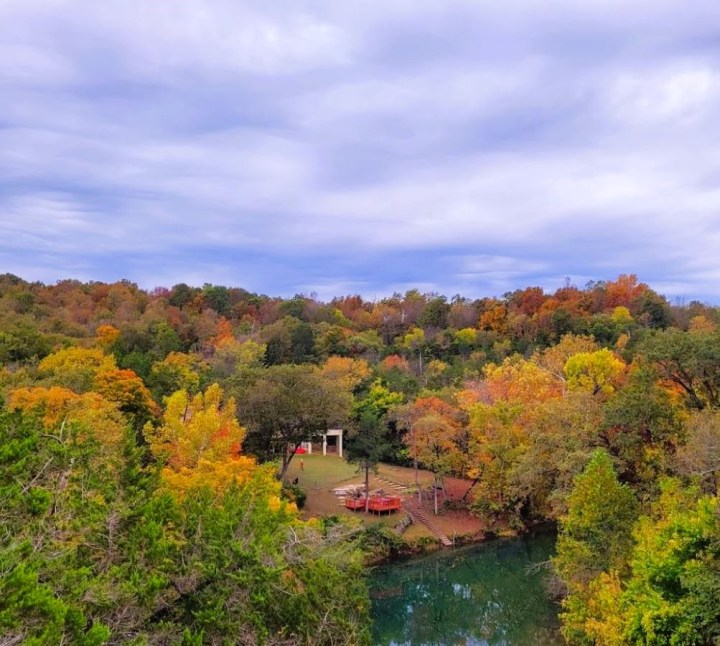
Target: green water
(475, 596)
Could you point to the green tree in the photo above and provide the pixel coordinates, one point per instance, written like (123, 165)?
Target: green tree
(641, 427)
(669, 596)
(288, 405)
(367, 444)
(217, 297)
(672, 595)
(92, 552)
(595, 536)
(691, 360)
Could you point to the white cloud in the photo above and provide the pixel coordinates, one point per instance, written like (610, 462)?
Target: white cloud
(519, 141)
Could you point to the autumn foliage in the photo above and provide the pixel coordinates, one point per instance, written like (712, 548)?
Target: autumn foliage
(124, 450)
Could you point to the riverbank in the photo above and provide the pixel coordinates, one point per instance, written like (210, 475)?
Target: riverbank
(397, 549)
(423, 592)
(320, 475)
(402, 535)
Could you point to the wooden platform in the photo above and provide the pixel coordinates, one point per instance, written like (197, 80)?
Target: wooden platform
(355, 503)
(379, 504)
(376, 504)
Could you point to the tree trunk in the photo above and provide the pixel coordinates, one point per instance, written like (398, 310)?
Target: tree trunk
(435, 490)
(417, 483)
(470, 488)
(286, 458)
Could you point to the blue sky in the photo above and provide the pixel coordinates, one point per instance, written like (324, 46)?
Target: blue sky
(362, 146)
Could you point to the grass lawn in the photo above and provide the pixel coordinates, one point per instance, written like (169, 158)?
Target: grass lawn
(320, 471)
(320, 474)
(405, 475)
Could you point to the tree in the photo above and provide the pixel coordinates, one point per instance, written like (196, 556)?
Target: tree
(217, 297)
(595, 372)
(106, 336)
(517, 381)
(367, 444)
(497, 440)
(433, 440)
(233, 356)
(669, 594)
(641, 427)
(177, 371)
(414, 342)
(21, 341)
(554, 358)
(562, 433)
(287, 405)
(465, 340)
(672, 594)
(433, 428)
(377, 403)
(128, 391)
(595, 535)
(435, 313)
(690, 360)
(199, 441)
(93, 555)
(350, 373)
(501, 411)
(59, 406)
(699, 456)
(89, 369)
(76, 368)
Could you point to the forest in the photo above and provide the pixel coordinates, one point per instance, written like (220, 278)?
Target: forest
(145, 436)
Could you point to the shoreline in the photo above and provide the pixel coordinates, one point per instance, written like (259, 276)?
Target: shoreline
(409, 550)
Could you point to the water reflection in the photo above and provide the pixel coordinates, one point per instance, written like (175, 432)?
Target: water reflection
(481, 595)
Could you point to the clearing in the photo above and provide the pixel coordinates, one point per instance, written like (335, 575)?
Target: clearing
(320, 474)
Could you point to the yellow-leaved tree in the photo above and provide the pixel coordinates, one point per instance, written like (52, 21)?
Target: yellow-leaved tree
(350, 373)
(199, 442)
(594, 372)
(87, 370)
(97, 416)
(75, 368)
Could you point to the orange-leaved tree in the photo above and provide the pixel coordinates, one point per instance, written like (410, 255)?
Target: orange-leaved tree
(128, 391)
(434, 438)
(501, 410)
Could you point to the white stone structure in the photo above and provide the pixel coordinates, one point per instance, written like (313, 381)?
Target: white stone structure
(337, 442)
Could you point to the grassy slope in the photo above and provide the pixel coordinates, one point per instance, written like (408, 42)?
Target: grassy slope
(323, 473)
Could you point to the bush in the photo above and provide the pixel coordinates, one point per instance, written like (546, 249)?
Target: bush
(294, 493)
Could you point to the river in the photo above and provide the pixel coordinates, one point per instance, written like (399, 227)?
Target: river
(481, 595)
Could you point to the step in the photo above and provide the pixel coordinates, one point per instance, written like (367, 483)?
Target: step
(391, 483)
(415, 511)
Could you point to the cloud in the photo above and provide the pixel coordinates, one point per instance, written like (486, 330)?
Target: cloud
(302, 146)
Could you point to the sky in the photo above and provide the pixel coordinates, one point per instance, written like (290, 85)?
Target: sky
(365, 147)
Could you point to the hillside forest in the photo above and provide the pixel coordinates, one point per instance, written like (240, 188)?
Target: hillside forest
(145, 437)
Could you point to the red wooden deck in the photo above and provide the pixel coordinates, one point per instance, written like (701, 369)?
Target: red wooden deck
(355, 503)
(380, 504)
(377, 504)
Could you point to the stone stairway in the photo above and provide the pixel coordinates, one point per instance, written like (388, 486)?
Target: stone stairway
(396, 487)
(419, 514)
